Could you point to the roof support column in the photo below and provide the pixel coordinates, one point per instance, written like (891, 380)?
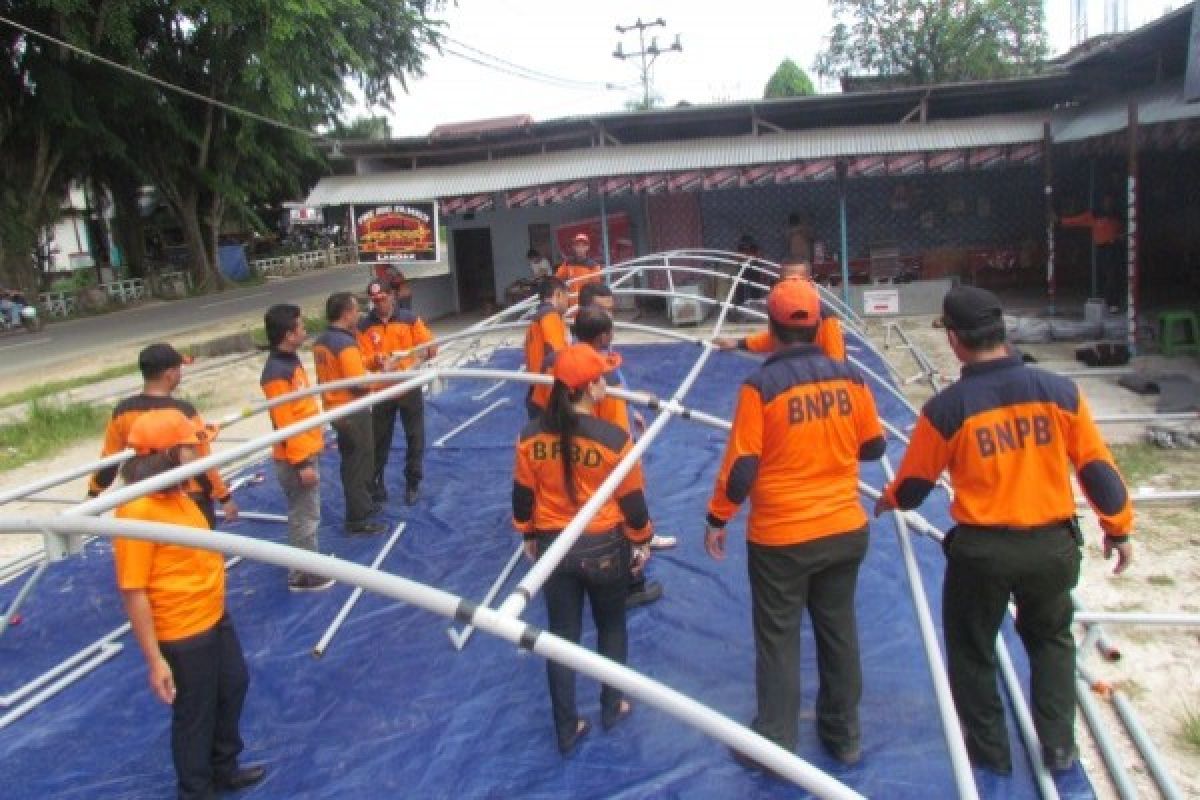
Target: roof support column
(1131, 230)
(1048, 173)
(841, 182)
(604, 244)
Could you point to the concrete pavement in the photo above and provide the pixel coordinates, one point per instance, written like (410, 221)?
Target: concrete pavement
(90, 344)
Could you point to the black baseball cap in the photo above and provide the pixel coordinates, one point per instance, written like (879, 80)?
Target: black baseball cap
(969, 308)
(158, 358)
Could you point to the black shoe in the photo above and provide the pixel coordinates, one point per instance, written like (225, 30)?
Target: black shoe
(307, 582)
(411, 492)
(582, 729)
(364, 528)
(754, 766)
(242, 778)
(1059, 759)
(848, 754)
(1001, 765)
(648, 593)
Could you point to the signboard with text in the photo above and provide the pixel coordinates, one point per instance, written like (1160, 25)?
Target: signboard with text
(397, 233)
(881, 301)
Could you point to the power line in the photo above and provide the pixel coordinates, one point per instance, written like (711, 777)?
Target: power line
(532, 72)
(526, 76)
(164, 84)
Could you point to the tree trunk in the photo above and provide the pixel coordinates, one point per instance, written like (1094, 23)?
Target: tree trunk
(193, 236)
(129, 229)
(216, 212)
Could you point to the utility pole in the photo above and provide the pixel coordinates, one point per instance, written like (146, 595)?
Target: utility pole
(648, 55)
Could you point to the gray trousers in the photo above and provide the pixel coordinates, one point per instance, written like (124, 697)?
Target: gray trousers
(304, 507)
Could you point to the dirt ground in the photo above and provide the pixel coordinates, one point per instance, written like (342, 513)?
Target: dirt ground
(1156, 669)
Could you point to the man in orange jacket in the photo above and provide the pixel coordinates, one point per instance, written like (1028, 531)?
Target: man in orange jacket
(545, 336)
(829, 332)
(296, 459)
(1006, 432)
(802, 424)
(337, 356)
(1108, 237)
(161, 366)
(579, 269)
(175, 599)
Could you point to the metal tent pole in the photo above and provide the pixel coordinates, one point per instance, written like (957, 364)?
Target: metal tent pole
(319, 650)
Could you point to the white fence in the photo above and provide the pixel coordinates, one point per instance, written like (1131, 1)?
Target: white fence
(304, 262)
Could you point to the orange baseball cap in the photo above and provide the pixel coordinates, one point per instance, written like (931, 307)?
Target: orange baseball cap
(580, 364)
(795, 303)
(583, 237)
(165, 428)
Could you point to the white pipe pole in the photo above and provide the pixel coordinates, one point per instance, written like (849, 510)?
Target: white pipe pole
(1137, 618)
(1104, 743)
(488, 620)
(319, 650)
(516, 601)
(460, 639)
(497, 385)
(71, 474)
(960, 762)
(442, 441)
(1153, 496)
(1133, 725)
(1119, 419)
(258, 516)
(10, 699)
(10, 613)
(103, 654)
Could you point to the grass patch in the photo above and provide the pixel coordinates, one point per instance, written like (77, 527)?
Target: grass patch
(1189, 728)
(48, 429)
(1139, 461)
(1160, 580)
(44, 390)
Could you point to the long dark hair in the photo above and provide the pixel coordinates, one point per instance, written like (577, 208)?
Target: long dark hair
(139, 468)
(560, 417)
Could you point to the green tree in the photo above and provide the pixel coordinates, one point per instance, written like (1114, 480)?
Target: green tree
(935, 41)
(788, 80)
(369, 127)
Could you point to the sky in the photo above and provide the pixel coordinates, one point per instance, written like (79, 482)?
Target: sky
(729, 53)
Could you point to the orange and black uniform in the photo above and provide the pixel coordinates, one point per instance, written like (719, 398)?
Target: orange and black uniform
(829, 339)
(546, 335)
(803, 423)
(186, 591)
(283, 374)
(1006, 432)
(379, 339)
(1107, 233)
(204, 489)
(337, 356)
(598, 564)
(581, 272)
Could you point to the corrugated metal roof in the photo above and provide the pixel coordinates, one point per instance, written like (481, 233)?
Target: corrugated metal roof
(526, 171)
(1157, 104)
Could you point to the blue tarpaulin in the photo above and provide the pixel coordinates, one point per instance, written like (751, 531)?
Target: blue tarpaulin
(232, 261)
(392, 710)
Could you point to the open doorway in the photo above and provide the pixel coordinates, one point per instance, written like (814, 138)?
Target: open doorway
(475, 270)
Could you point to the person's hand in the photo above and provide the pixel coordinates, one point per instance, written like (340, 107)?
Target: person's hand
(883, 505)
(162, 682)
(714, 542)
(724, 343)
(308, 476)
(639, 422)
(530, 548)
(230, 509)
(1124, 551)
(641, 554)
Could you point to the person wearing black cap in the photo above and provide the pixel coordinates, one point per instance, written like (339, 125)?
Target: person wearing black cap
(161, 366)
(1006, 432)
(802, 425)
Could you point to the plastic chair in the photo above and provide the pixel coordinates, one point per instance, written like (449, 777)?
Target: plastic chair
(1178, 333)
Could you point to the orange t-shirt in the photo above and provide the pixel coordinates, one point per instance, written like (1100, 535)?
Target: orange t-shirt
(545, 336)
(186, 586)
(577, 276)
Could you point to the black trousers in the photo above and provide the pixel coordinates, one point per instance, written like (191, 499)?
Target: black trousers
(1114, 273)
(356, 450)
(210, 682)
(411, 408)
(597, 567)
(1038, 569)
(820, 576)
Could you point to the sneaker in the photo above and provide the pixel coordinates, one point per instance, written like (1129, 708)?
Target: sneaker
(365, 528)
(307, 582)
(411, 493)
(1059, 759)
(648, 593)
(662, 542)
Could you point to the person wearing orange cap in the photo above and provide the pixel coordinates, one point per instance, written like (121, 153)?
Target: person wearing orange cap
(1008, 435)
(579, 269)
(829, 333)
(175, 599)
(802, 425)
(337, 356)
(161, 366)
(391, 339)
(545, 336)
(296, 459)
(562, 458)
